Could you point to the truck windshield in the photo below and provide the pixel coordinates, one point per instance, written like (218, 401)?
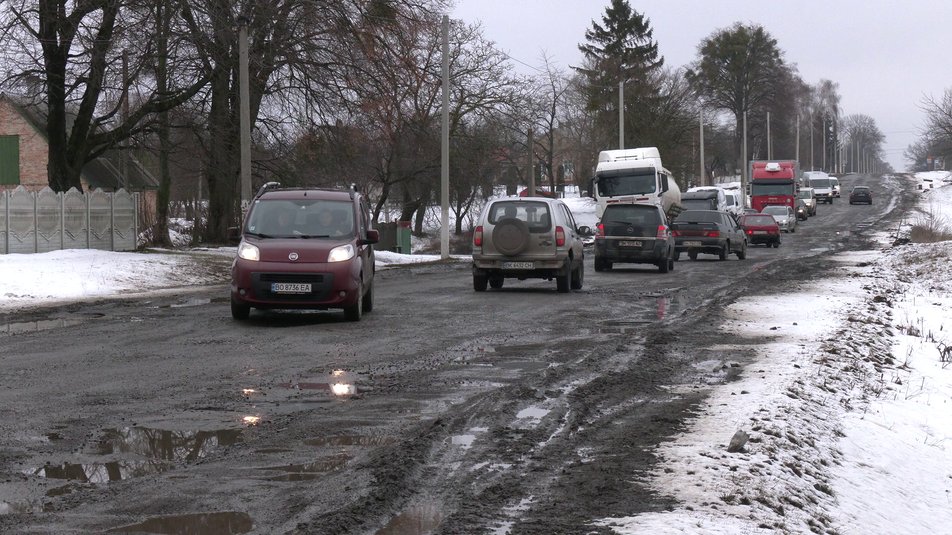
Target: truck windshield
(771, 189)
(629, 183)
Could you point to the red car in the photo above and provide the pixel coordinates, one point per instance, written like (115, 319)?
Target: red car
(761, 228)
(305, 248)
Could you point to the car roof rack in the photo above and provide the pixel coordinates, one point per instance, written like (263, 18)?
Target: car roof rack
(266, 186)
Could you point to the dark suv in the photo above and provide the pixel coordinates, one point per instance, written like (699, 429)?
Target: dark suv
(634, 233)
(305, 248)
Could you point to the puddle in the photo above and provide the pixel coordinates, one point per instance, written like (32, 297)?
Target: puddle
(308, 471)
(466, 441)
(224, 523)
(417, 520)
(352, 440)
(39, 325)
(535, 413)
(163, 444)
(193, 302)
(99, 472)
(339, 383)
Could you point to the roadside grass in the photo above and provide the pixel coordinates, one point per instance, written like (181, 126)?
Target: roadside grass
(931, 227)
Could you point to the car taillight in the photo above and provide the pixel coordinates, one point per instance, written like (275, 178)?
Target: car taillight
(676, 233)
(600, 230)
(478, 236)
(712, 234)
(559, 236)
(750, 231)
(662, 232)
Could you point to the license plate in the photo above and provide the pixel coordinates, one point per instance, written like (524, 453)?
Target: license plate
(760, 232)
(692, 244)
(290, 288)
(629, 244)
(517, 265)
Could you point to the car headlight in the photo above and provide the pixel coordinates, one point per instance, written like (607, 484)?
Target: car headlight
(341, 253)
(248, 251)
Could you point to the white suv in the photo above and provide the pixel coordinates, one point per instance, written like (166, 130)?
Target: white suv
(528, 237)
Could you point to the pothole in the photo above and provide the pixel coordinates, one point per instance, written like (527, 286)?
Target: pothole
(224, 523)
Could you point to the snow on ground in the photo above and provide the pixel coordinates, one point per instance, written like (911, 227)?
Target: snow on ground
(847, 409)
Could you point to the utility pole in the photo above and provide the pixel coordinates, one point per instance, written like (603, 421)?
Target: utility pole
(445, 152)
(621, 115)
(244, 113)
(743, 156)
(702, 178)
(824, 143)
(124, 154)
(769, 144)
(531, 165)
(797, 151)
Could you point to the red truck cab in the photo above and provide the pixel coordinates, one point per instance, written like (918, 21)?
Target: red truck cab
(773, 182)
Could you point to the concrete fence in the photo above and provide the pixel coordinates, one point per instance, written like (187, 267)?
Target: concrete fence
(42, 221)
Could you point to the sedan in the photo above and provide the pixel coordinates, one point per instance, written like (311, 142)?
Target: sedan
(785, 216)
(761, 228)
(861, 194)
(710, 232)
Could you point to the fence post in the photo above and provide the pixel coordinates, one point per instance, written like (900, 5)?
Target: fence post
(36, 225)
(62, 219)
(6, 224)
(135, 221)
(112, 221)
(88, 231)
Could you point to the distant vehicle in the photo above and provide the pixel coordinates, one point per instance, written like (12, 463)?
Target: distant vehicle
(634, 176)
(305, 248)
(539, 192)
(528, 238)
(822, 186)
(802, 212)
(773, 183)
(636, 234)
(861, 194)
(709, 232)
(836, 185)
(809, 199)
(761, 228)
(786, 217)
(704, 198)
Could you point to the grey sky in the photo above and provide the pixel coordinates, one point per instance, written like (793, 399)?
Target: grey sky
(885, 55)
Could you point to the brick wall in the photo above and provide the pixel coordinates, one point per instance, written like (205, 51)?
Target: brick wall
(34, 154)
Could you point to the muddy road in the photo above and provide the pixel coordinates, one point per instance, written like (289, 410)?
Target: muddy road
(518, 410)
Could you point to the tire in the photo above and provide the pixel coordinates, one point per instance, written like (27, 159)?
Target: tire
(692, 255)
(599, 264)
(794, 229)
(776, 244)
(239, 311)
(578, 276)
(356, 311)
(742, 254)
(479, 282)
(664, 265)
(496, 282)
(511, 236)
(368, 299)
(677, 256)
(563, 279)
(722, 254)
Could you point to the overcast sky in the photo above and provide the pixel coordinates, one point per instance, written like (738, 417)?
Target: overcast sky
(885, 55)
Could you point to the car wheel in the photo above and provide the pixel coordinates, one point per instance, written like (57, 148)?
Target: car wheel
(677, 256)
(479, 282)
(599, 264)
(692, 255)
(239, 311)
(369, 298)
(742, 254)
(776, 244)
(664, 265)
(722, 254)
(562, 280)
(356, 311)
(794, 229)
(671, 264)
(496, 282)
(578, 276)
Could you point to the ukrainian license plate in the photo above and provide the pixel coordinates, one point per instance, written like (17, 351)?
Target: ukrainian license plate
(629, 244)
(760, 232)
(692, 244)
(517, 265)
(290, 288)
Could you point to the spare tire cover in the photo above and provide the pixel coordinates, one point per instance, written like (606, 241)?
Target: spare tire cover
(511, 236)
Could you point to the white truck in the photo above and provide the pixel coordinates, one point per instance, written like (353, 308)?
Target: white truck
(634, 176)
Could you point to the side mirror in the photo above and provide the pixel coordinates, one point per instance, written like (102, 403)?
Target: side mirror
(373, 236)
(585, 230)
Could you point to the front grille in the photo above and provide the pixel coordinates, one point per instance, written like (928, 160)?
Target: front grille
(316, 278)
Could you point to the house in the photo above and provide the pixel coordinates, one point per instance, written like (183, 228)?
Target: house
(24, 157)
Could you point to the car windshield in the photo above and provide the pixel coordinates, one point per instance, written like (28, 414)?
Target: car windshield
(805, 194)
(698, 216)
(768, 188)
(820, 183)
(861, 189)
(629, 183)
(775, 210)
(301, 218)
(632, 214)
(758, 220)
(534, 213)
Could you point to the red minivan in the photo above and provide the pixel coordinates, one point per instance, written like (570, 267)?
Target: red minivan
(305, 248)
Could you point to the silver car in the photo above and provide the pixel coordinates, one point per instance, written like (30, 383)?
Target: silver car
(784, 215)
(528, 238)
